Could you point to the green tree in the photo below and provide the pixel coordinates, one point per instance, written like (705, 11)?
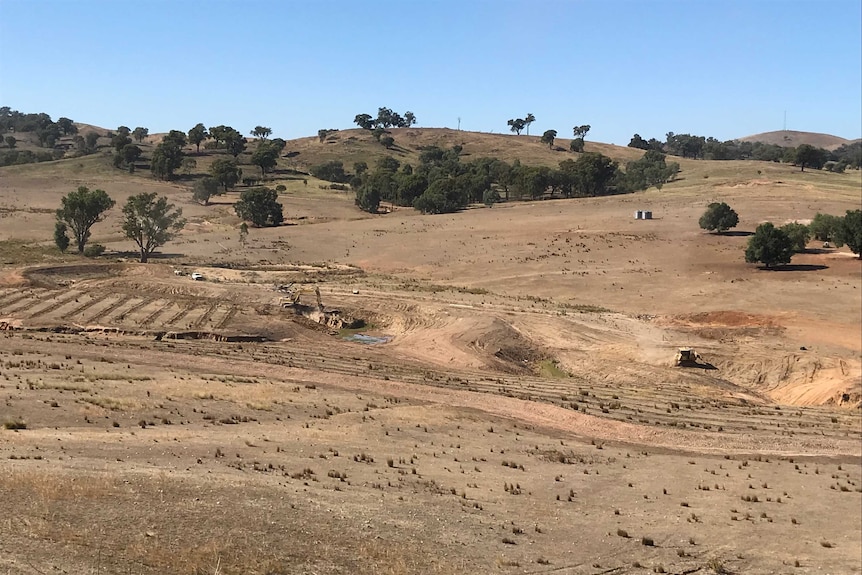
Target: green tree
(130, 153)
(225, 172)
(527, 121)
(243, 234)
(189, 165)
(386, 118)
(850, 231)
(364, 121)
(124, 130)
(718, 217)
(387, 142)
(581, 131)
(650, 170)
(92, 139)
(82, 209)
(67, 126)
(120, 141)
(769, 246)
(234, 142)
(808, 155)
(197, 135)
(217, 133)
(277, 144)
(378, 185)
(140, 133)
(260, 207)
(60, 237)
(265, 157)
(490, 197)
(638, 142)
(331, 171)
(151, 222)
(368, 195)
(176, 138)
(443, 196)
(824, 227)
(409, 119)
(548, 138)
(48, 135)
(516, 125)
(799, 235)
(261, 132)
(167, 157)
(11, 141)
(591, 174)
(577, 145)
(204, 189)
(388, 164)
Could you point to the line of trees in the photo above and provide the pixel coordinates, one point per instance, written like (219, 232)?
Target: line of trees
(708, 148)
(517, 125)
(442, 182)
(771, 245)
(148, 220)
(385, 119)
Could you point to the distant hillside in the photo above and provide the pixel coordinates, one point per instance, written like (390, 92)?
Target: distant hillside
(790, 138)
(356, 145)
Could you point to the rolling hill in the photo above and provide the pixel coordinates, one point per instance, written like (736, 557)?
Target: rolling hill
(792, 138)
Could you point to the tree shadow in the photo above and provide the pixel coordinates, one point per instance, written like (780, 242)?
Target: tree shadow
(136, 255)
(298, 174)
(796, 268)
(735, 234)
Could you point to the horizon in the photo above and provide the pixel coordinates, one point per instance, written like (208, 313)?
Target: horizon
(670, 67)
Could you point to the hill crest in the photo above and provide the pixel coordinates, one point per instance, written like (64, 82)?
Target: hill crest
(792, 138)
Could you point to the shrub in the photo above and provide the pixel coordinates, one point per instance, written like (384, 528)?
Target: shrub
(61, 239)
(94, 250)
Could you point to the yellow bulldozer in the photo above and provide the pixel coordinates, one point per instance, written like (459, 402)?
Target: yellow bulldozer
(687, 357)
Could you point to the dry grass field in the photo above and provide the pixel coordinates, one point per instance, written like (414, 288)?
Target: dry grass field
(518, 413)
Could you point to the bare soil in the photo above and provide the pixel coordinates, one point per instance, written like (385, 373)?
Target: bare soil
(522, 415)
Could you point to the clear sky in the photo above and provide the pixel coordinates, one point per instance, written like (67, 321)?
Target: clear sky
(722, 68)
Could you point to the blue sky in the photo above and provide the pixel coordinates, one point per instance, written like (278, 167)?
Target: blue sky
(721, 68)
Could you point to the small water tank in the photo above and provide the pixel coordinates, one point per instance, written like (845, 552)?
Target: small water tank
(639, 215)
(647, 215)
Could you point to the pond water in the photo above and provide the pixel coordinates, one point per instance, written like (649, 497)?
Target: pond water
(368, 339)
